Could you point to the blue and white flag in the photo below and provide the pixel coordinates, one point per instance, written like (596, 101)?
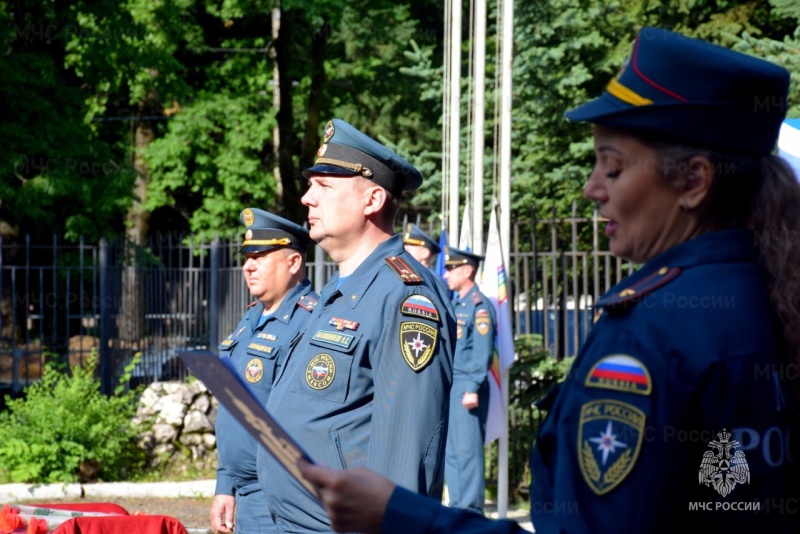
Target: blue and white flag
(789, 144)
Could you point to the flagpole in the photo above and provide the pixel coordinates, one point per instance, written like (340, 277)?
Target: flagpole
(455, 113)
(506, 54)
(478, 106)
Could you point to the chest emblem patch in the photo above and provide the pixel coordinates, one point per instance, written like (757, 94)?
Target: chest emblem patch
(254, 371)
(609, 440)
(320, 371)
(417, 343)
(420, 306)
(620, 372)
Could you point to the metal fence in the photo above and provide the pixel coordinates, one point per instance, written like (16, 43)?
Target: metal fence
(62, 301)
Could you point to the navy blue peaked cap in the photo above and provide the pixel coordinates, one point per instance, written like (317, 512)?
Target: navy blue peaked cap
(415, 236)
(345, 151)
(453, 257)
(693, 92)
(266, 231)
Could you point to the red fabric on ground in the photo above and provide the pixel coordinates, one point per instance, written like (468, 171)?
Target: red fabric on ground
(145, 524)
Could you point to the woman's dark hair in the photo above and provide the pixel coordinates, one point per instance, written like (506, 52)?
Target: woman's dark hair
(760, 193)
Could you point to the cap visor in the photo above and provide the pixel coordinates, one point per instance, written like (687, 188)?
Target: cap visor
(326, 169)
(597, 108)
(254, 249)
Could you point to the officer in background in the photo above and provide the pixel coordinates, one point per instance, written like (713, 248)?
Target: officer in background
(469, 397)
(368, 384)
(275, 273)
(421, 245)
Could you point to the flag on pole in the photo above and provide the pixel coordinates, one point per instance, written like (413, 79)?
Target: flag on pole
(440, 258)
(493, 285)
(789, 144)
(465, 237)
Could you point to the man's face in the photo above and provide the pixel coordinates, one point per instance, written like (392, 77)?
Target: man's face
(458, 277)
(335, 209)
(269, 274)
(421, 254)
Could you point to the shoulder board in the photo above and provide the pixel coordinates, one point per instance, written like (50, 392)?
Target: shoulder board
(402, 269)
(636, 291)
(307, 302)
(476, 298)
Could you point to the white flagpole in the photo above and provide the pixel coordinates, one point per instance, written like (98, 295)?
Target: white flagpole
(455, 113)
(478, 106)
(506, 54)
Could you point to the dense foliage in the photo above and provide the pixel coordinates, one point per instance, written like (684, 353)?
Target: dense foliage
(141, 116)
(66, 430)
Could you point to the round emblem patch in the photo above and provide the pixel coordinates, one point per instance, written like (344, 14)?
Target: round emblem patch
(248, 217)
(248, 235)
(254, 370)
(322, 150)
(320, 371)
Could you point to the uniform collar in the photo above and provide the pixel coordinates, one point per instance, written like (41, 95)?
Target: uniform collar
(468, 295)
(286, 308)
(358, 282)
(723, 246)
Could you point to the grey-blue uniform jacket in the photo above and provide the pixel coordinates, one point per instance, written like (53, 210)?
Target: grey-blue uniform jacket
(257, 355)
(476, 322)
(368, 384)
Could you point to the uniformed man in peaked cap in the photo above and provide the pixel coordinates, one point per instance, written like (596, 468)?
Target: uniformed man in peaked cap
(368, 383)
(421, 245)
(275, 273)
(469, 398)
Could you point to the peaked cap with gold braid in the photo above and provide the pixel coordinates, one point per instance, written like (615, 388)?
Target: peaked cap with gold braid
(345, 151)
(266, 231)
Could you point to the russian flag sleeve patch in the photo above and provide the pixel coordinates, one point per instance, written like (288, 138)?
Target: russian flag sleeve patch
(620, 372)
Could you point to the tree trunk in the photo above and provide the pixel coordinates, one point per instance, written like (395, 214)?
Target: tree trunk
(291, 207)
(131, 318)
(316, 98)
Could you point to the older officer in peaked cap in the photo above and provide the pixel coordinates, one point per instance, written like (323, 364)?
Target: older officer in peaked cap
(469, 397)
(275, 273)
(368, 383)
(420, 245)
(677, 413)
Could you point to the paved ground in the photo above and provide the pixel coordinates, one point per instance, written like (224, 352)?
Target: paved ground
(188, 502)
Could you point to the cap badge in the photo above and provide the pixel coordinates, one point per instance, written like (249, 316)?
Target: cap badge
(329, 131)
(248, 235)
(248, 217)
(322, 149)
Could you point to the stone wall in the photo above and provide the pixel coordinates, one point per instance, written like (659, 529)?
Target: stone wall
(181, 421)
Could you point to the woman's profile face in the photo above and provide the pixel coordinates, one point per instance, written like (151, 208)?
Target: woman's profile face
(644, 213)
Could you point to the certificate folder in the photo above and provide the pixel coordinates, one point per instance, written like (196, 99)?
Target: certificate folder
(219, 377)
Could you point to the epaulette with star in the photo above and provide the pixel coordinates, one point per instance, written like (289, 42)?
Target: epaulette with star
(476, 298)
(402, 269)
(639, 289)
(307, 302)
